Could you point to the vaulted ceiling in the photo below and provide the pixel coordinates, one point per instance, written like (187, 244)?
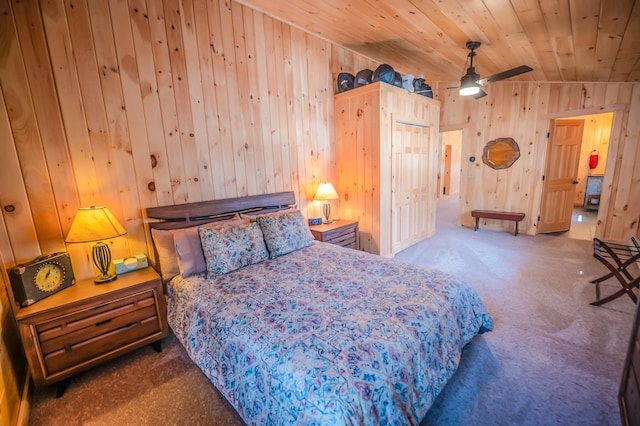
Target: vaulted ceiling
(562, 40)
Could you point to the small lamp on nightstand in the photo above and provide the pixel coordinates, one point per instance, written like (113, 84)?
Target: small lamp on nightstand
(96, 224)
(325, 193)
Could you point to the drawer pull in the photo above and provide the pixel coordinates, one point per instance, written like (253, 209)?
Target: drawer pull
(98, 324)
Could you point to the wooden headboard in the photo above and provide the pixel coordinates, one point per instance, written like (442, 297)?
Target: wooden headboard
(192, 214)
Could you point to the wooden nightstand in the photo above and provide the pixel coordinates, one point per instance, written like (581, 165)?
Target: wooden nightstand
(341, 232)
(87, 324)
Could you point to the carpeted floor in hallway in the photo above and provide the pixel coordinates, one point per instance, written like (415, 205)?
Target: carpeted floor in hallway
(552, 358)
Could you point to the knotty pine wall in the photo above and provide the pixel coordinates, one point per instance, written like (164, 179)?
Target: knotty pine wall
(140, 103)
(523, 111)
(133, 104)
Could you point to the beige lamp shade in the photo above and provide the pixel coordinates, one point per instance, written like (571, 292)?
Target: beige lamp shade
(94, 223)
(326, 192)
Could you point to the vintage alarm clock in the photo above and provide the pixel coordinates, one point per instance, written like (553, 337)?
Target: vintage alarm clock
(42, 277)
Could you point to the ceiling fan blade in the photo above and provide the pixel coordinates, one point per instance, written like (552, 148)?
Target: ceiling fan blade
(480, 94)
(506, 74)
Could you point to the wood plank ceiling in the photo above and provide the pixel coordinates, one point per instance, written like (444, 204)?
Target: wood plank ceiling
(563, 40)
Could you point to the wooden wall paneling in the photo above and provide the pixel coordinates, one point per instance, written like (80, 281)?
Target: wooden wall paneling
(180, 86)
(627, 196)
(293, 124)
(23, 119)
(21, 242)
(277, 82)
(257, 135)
(314, 175)
(12, 366)
(160, 184)
(213, 154)
(63, 64)
(97, 154)
(306, 185)
(219, 58)
(385, 162)
(611, 177)
(544, 101)
(141, 168)
(237, 182)
(270, 78)
(263, 77)
(38, 70)
(321, 104)
(532, 144)
(304, 194)
(168, 109)
(120, 165)
(195, 94)
(364, 182)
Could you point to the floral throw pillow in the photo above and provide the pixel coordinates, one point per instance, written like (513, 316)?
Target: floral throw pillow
(285, 233)
(229, 248)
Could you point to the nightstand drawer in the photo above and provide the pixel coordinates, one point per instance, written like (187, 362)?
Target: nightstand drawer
(342, 233)
(344, 239)
(84, 325)
(71, 339)
(89, 349)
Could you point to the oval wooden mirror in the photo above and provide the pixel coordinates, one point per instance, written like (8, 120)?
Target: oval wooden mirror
(501, 153)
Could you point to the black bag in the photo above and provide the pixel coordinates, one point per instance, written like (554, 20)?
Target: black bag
(385, 73)
(422, 88)
(363, 77)
(345, 82)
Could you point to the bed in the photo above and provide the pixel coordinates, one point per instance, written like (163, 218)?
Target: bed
(295, 331)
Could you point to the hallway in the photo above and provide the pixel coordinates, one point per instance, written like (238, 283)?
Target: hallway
(583, 224)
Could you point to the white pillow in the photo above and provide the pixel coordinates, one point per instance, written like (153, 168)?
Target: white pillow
(189, 252)
(165, 246)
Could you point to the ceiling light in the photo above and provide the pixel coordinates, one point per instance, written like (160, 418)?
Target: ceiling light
(469, 83)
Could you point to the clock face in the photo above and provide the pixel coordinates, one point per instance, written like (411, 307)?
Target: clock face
(49, 277)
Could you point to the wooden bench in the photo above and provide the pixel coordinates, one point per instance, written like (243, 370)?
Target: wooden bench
(489, 214)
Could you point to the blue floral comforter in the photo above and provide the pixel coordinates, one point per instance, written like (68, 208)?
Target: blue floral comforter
(326, 335)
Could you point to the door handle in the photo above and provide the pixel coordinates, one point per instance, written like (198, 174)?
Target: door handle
(575, 182)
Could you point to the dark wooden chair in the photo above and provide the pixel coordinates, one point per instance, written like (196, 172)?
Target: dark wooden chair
(621, 260)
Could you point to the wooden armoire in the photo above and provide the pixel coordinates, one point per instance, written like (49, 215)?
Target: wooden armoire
(387, 162)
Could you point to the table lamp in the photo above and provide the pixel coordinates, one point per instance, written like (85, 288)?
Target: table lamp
(325, 193)
(96, 223)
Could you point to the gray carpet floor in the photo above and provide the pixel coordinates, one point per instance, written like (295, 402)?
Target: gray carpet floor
(552, 358)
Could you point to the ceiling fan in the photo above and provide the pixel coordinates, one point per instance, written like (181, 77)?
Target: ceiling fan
(470, 83)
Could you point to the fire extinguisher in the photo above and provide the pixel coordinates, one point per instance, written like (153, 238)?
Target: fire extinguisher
(593, 159)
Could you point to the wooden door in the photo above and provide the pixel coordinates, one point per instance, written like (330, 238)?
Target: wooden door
(561, 171)
(410, 183)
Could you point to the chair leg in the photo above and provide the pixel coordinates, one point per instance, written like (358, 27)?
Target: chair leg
(615, 296)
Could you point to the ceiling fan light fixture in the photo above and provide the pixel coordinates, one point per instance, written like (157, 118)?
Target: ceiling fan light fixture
(469, 83)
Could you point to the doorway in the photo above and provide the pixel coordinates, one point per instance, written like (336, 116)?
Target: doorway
(579, 211)
(451, 162)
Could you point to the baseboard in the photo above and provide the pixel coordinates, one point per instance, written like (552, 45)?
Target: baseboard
(25, 402)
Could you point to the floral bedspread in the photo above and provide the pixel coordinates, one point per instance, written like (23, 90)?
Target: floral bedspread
(326, 335)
